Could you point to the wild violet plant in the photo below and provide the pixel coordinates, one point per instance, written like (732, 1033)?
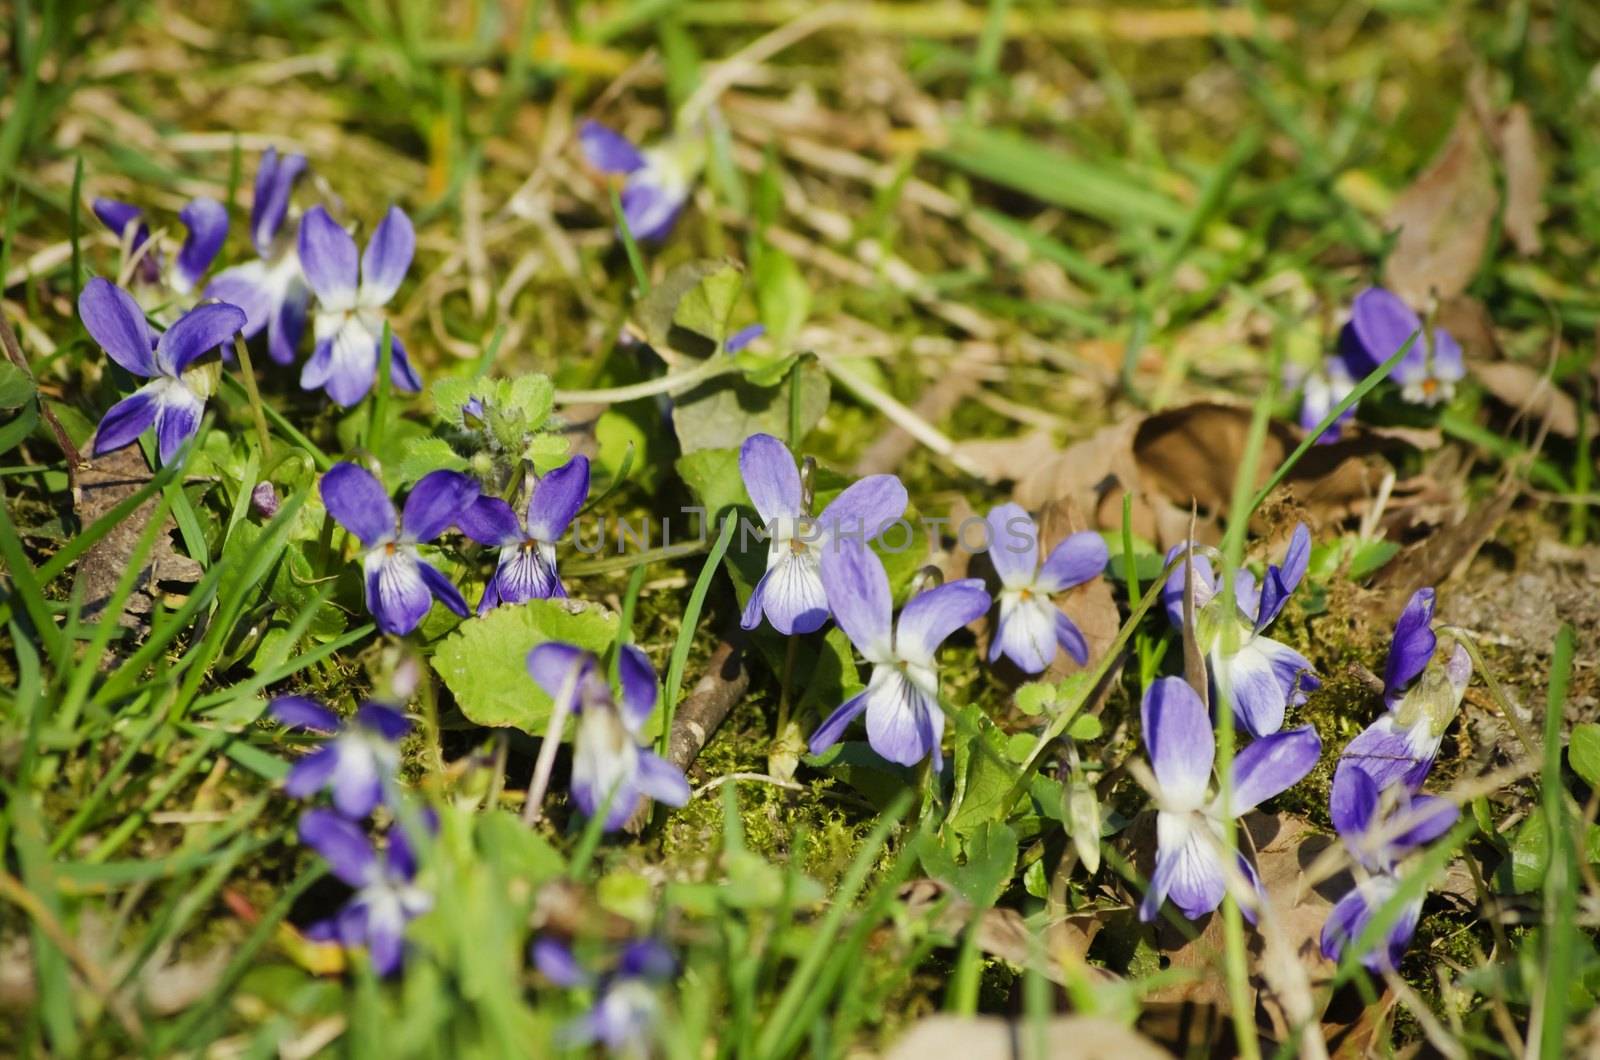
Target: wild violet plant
(1422, 691)
(1380, 323)
(1264, 676)
(387, 896)
(609, 767)
(791, 593)
(526, 568)
(400, 585)
(656, 181)
(905, 722)
(626, 1007)
(175, 398)
(1030, 626)
(357, 764)
(272, 289)
(1190, 838)
(348, 323)
(206, 223)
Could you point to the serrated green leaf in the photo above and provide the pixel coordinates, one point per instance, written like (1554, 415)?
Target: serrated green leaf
(1583, 753)
(535, 396)
(707, 307)
(449, 393)
(547, 451)
(1035, 697)
(722, 413)
(484, 662)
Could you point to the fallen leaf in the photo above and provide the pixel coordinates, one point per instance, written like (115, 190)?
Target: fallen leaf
(1525, 178)
(1526, 390)
(1433, 559)
(1444, 218)
(106, 481)
(1004, 933)
(996, 1038)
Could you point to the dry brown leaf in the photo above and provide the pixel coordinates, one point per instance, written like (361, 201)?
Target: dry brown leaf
(1003, 932)
(106, 481)
(1525, 389)
(1436, 558)
(1444, 218)
(996, 1038)
(1468, 320)
(1525, 177)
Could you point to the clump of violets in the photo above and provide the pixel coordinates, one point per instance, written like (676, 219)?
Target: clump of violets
(175, 397)
(1422, 689)
(626, 1007)
(791, 593)
(1380, 827)
(610, 769)
(357, 764)
(1190, 851)
(905, 723)
(1264, 676)
(656, 180)
(387, 896)
(348, 323)
(400, 585)
(527, 564)
(206, 223)
(1380, 323)
(1031, 626)
(271, 289)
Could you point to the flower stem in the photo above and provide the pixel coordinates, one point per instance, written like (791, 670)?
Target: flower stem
(532, 805)
(783, 686)
(380, 392)
(666, 384)
(247, 376)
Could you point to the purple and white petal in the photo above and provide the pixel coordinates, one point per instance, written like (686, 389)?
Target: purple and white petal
(1013, 545)
(352, 364)
(770, 478)
(207, 224)
(608, 150)
(275, 182)
(126, 420)
(442, 588)
(792, 594)
(1205, 583)
(490, 521)
(384, 720)
(1426, 818)
(649, 205)
(357, 781)
(639, 692)
(198, 332)
(661, 780)
(1380, 323)
(115, 321)
(1390, 753)
(246, 286)
(385, 944)
(557, 498)
(1411, 647)
(1025, 632)
(832, 729)
(397, 595)
(556, 962)
(646, 959)
(1353, 802)
(402, 375)
(387, 257)
(1071, 639)
(1448, 365)
(435, 503)
(318, 367)
(304, 713)
(858, 593)
(311, 772)
(1178, 737)
(867, 506)
(288, 323)
(902, 721)
(525, 574)
(341, 843)
(178, 414)
(932, 615)
(1271, 765)
(557, 667)
(119, 216)
(356, 500)
(1079, 558)
(328, 256)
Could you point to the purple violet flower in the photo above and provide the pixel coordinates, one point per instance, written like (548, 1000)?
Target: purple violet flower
(272, 289)
(607, 760)
(527, 566)
(1379, 836)
(1380, 323)
(1265, 677)
(357, 764)
(175, 398)
(904, 720)
(206, 223)
(1323, 389)
(1189, 819)
(626, 1009)
(1031, 626)
(349, 318)
(387, 896)
(791, 593)
(1422, 694)
(401, 585)
(658, 180)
